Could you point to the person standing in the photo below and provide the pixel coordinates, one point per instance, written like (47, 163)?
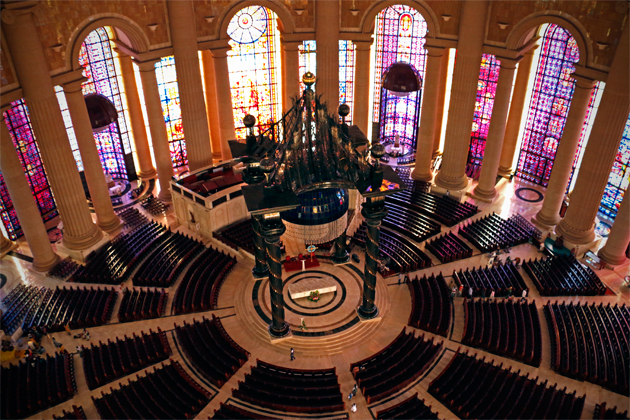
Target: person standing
(400, 277)
(492, 294)
(354, 408)
(354, 390)
(524, 295)
(470, 292)
(292, 354)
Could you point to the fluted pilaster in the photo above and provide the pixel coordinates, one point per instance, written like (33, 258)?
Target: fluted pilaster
(496, 131)
(106, 219)
(212, 105)
(136, 119)
(194, 117)
(614, 252)
(361, 112)
(452, 175)
(224, 95)
(24, 204)
(291, 73)
(157, 126)
(549, 215)
(578, 224)
(327, 37)
(426, 130)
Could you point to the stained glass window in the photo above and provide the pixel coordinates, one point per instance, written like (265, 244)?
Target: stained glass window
(308, 61)
(591, 111)
(113, 142)
(169, 95)
(67, 120)
(486, 90)
(618, 179)
(19, 125)
(400, 32)
(346, 76)
(254, 64)
(549, 105)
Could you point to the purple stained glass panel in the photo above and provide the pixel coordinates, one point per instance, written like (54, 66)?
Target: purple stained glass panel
(619, 178)
(169, 96)
(549, 105)
(96, 58)
(21, 131)
(486, 90)
(346, 76)
(400, 36)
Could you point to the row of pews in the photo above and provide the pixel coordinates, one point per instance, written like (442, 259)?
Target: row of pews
(138, 304)
(431, 305)
(563, 275)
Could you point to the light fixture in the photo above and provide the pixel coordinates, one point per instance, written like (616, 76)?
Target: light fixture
(101, 110)
(209, 19)
(153, 26)
(401, 79)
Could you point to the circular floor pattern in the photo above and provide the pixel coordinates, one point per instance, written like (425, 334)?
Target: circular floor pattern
(333, 313)
(3, 280)
(529, 194)
(603, 229)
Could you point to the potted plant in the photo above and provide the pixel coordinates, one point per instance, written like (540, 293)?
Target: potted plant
(314, 297)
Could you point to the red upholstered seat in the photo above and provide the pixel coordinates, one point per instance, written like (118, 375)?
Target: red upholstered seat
(190, 179)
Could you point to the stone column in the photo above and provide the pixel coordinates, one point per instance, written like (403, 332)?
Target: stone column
(194, 117)
(5, 245)
(452, 175)
(212, 107)
(157, 126)
(341, 256)
(614, 252)
(24, 204)
(374, 212)
(261, 269)
(106, 219)
(549, 215)
(79, 231)
(440, 104)
(513, 125)
(224, 95)
(135, 117)
(327, 38)
(426, 130)
(496, 131)
(361, 112)
(610, 122)
(291, 73)
(272, 229)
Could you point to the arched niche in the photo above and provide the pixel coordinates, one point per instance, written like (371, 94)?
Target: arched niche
(367, 20)
(127, 31)
(286, 25)
(527, 27)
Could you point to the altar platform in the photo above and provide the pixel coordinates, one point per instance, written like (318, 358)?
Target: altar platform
(304, 287)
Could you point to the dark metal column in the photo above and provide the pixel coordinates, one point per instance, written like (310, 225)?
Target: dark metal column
(341, 256)
(271, 229)
(374, 212)
(261, 269)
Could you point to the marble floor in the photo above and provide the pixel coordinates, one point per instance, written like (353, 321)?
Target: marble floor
(333, 338)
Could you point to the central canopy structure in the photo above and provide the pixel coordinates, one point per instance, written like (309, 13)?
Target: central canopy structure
(309, 150)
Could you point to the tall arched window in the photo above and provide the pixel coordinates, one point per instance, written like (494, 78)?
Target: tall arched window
(254, 64)
(346, 76)
(618, 179)
(549, 105)
(19, 125)
(169, 96)
(486, 90)
(399, 33)
(113, 143)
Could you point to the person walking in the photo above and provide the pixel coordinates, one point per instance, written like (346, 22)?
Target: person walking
(470, 292)
(524, 295)
(492, 294)
(350, 395)
(354, 390)
(292, 354)
(454, 293)
(354, 408)
(400, 277)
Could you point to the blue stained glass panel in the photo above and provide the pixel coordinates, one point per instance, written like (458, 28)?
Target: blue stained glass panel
(169, 96)
(619, 178)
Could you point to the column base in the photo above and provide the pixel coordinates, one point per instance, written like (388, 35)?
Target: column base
(86, 242)
(148, 174)
(582, 248)
(418, 176)
(165, 197)
(580, 238)
(505, 172)
(453, 184)
(544, 223)
(341, 259)
(81, 254)
(276, 336)
(458, 195)
(110, 227)
(43, 267)
(9, 247)
(259, 275)
(611, 259)
(368, 316)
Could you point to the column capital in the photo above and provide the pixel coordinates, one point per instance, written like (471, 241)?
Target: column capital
(220, 52)
(120, 52)
(583, 82)
(148, 65)
(14, 9)
(434, 51)
(363, 45)
(75, 84)
(509, 63)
